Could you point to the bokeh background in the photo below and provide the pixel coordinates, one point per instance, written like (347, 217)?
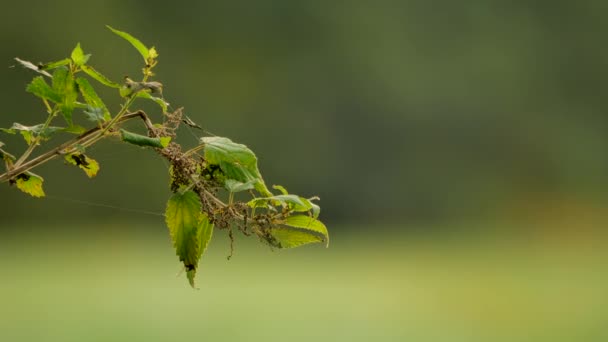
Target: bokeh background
(460, 150)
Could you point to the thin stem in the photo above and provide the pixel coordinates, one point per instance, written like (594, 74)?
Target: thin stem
(194, 149)
(37, 139)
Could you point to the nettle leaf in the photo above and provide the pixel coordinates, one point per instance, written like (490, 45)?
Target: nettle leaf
(292, 202)
(96, 75)
(92, 99)
(160, 101)
(308, 224)
(40, 88)
(65, 86)
(143, 50)
(236, 186)
(55, 65)
(291, 238)
(88, 165)
(78, 56)
(142, 140)
(236, 161)
(32, 66)
(29, 183)
(190, 230)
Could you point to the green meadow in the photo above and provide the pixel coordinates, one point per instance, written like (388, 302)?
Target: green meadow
(119, 283)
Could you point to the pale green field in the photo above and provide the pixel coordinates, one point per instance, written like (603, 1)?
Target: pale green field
(119, 284)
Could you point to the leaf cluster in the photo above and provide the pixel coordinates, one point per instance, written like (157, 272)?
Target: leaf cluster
(215, 184)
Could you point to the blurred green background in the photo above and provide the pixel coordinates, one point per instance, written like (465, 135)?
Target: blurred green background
(459, 149)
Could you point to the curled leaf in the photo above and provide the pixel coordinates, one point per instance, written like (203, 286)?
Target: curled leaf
(96, 75)
(236, 161)
(142, 140)
(32, 66)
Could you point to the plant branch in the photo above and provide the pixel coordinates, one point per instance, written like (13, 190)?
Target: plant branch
(37, 139)
(62, 149)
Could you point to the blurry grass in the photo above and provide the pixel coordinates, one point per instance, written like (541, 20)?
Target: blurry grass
(111, 283)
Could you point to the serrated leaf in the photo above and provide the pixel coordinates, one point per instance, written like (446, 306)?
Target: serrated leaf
(143, 50)
(40, 88)
(92, 99)
(65, 86)
(189, 228)
(32, 66)
(161, 102)
(88, 165)
(291, 238)
(309, 224)
(142, 140)
(55, 65)
(236, 161)
(96, 75)
(30, 183)
(78, 56)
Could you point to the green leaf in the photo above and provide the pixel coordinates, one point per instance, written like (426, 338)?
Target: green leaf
(96, 75)
(281, 189)
(309, 224)
(290, 238)
(161, 102)
(29, 183)
(190, 230)
(40, 88)
(235, 160)
(236, 186)
(74, 129)
(142, 140)
(78, 56)
(88, 165)
(293, 202)
(92, 99)
(64, 84)
(95, 114)
(143, 50)
(55, 65)
(31, 132)
(32, 66)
